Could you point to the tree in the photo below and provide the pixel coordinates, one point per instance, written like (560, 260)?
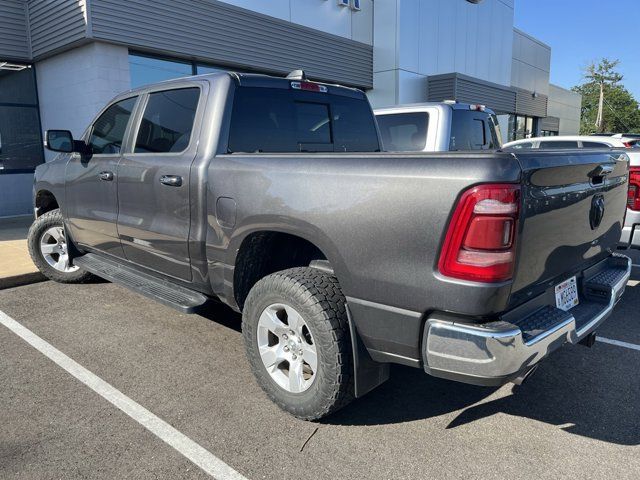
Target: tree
(606, 105)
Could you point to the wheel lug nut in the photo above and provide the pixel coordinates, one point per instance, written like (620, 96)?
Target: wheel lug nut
(286, 349)
(291, 332)
(294, 356)
(284, 336)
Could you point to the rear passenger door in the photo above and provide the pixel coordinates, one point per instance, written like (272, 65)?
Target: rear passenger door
(153, 181)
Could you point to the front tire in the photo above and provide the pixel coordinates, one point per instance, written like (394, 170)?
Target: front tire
(298, 343)
(49, 252)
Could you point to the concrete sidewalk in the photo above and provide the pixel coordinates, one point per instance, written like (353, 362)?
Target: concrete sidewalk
(16, 267)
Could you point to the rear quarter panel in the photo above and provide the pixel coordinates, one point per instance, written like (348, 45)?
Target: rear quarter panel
(379, 218)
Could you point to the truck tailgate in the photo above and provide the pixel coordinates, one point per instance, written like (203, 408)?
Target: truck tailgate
(573, 210)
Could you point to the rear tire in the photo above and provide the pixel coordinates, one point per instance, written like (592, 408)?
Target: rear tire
(298, 343)
(49, 252)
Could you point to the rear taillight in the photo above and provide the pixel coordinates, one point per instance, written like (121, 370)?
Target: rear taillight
(633, 194)
(480, 241)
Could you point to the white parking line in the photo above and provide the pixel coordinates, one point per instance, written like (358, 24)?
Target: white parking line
(618, 343)
(183, 444)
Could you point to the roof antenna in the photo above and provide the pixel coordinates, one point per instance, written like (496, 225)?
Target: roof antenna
(297, 75)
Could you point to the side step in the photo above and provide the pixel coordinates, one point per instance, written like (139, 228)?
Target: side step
(163, 291)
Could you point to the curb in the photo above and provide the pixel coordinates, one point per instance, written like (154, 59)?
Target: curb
(22, 279)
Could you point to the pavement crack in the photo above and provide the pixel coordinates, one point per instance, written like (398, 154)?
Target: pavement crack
(308, 438)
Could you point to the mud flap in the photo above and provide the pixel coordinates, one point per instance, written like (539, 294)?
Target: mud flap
(367, 373)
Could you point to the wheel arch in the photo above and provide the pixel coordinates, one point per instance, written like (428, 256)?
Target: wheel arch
(45, 201)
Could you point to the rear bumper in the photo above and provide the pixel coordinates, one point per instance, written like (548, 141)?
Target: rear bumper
(500, 351)
(631, 231)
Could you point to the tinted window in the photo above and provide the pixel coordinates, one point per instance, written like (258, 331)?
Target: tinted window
(471, 130)
(279, 120)
(403, 132)
(312, 122)
(108, 130)
(594, 145)
(558, 144)
(522, 146)
(145, 70)
(167, 121)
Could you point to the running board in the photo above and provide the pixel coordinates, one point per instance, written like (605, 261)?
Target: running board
(163, 291)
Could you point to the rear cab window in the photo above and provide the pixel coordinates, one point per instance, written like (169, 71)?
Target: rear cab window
(280, 120)
(473, 130)
(403, 132)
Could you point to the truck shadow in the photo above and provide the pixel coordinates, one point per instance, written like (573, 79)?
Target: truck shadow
(592, 394)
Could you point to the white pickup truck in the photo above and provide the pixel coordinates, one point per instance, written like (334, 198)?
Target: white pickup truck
(438, 127)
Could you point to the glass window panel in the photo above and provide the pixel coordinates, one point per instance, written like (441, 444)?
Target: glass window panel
(20, 138)
(146, 70)
(168, 121)
(201, 69)
(403, 132)
(354, 128)
(18, 86)
(108, 130)
(468, 131)
(594, 145)
(312, 123)
(558, 144)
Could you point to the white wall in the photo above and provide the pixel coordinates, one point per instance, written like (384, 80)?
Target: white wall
(417, 38)
(73, 86)
(531, 63)
(324, 15)
(565, 105)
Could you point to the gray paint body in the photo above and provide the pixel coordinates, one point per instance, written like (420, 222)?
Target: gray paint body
(379, 218)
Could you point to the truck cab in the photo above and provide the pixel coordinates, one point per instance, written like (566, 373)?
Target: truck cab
(446, 126)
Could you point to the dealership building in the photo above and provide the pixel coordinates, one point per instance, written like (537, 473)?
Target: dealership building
(62, 60)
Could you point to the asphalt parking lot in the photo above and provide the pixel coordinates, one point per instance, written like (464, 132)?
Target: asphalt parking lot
(578, 416)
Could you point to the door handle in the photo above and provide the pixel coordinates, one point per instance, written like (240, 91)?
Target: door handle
(171, 180)
(106, 176)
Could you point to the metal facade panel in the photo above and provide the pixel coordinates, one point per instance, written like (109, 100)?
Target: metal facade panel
(56, 24)
(14, 37)
(551, 124)
(529, 104)
(219, 33)
(466, 89)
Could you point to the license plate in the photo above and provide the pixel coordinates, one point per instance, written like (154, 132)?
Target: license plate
(567, 294)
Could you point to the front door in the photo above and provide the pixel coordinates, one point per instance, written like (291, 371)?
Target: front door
(91, 199)
(153, 184)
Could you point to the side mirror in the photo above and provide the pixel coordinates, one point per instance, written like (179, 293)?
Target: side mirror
(59, 141)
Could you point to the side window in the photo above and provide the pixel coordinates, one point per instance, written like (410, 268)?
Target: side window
(594, 145)
(522, 146)
(107, 133)
(167, 121)
(566, 144)
(403, 132)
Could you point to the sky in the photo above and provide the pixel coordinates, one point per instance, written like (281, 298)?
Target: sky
(581, 31)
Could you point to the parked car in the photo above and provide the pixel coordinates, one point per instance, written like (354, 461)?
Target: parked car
(272, 196)
(630, 237)
(438, 127)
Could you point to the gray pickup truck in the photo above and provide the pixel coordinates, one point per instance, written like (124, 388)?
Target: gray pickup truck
(272, 196)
